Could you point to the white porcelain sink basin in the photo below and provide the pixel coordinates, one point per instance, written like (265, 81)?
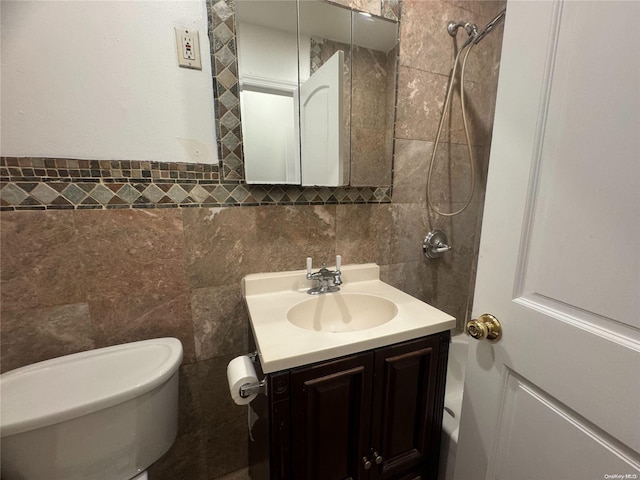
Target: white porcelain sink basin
(292, 328)
(342, 312)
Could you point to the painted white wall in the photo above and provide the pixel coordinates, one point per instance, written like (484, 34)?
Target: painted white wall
(100, 80)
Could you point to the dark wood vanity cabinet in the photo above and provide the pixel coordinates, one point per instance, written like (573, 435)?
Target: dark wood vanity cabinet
(372, 415)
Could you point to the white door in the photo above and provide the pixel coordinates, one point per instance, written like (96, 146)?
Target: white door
(558, 396)
(322, 124)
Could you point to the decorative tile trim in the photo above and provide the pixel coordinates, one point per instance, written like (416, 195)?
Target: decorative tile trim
(54, 183)
(49, 169)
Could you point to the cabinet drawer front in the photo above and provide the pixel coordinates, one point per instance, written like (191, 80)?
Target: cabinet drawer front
(331, 407)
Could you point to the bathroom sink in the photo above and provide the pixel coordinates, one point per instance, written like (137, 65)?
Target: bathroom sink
(342, 312)
(292, 328)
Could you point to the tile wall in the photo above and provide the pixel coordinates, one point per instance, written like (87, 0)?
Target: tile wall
(77, 279)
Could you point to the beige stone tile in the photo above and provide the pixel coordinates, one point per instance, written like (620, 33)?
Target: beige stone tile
(227, 447)
(185, 460)
(287, 235)
(132, 251)
(218, 242)
(478, 115)
(121, 319)
(410, 225)
(40, 262)
(425, 43)
(451, 176)
(411, 167)
(135, 275)
(451, 285)
(421, 98)
(33, 335)
(220, 321)
(190, 413)
(462, 230)
(413, 278)
(214, 397)
(225, 244)
(363, 233)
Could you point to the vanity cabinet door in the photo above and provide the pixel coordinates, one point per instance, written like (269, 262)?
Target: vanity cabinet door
(330, 415)
(406, 420)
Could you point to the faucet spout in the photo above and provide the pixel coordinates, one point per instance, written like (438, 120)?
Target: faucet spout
(329, 280)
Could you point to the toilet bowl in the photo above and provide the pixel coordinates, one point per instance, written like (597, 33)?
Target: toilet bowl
(104, 414)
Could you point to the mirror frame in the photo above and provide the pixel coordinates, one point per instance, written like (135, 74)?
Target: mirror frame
(224, 64)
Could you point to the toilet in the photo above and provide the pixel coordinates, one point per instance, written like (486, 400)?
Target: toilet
(104, 414)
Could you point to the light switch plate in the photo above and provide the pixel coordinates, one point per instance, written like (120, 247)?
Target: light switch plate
(188, 48)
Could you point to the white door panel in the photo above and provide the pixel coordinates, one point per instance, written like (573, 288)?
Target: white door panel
(558, 396)
(528, 413)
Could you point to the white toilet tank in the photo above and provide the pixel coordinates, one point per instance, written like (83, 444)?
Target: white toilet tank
(104, 414)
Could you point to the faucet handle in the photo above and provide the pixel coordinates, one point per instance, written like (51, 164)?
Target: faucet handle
(338, 262)
(309, 265)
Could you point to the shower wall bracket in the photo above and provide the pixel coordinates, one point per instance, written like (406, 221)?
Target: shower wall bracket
(435, 244)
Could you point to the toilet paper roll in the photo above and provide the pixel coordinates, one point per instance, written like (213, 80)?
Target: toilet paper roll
(240, 371)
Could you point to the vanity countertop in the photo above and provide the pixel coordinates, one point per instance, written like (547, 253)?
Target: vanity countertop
(282, 345)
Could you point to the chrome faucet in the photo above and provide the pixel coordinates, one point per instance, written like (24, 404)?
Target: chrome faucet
(324, 276)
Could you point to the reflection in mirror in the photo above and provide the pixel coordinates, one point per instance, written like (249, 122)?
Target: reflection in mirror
(317, 93)
(325, 113)
(373, 99)
(268, 76)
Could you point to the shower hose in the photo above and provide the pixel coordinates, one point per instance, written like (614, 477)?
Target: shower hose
(430, 203)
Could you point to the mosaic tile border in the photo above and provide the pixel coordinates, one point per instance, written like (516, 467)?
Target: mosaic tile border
(53, 183)
(226, 93)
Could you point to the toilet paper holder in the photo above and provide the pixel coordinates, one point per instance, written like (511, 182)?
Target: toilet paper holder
(249, 389)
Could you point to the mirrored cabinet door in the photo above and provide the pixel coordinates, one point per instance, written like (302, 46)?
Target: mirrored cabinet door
(268, 73)
(373, 87)
(317, 93)
(325, 93)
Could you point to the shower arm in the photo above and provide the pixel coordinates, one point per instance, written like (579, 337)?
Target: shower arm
(490, 26)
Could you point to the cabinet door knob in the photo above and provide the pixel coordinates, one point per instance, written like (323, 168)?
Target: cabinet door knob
(366, 462)
(377, 458)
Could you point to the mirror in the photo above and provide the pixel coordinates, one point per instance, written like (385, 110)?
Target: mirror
(375, 53)
(266, 33)
(317, 93)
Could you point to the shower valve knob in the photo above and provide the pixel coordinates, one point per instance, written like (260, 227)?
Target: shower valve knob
(435, 244)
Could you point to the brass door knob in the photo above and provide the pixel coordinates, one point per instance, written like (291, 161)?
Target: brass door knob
(486, 326)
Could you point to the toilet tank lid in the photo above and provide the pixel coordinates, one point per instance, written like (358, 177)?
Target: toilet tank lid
(67, 387)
